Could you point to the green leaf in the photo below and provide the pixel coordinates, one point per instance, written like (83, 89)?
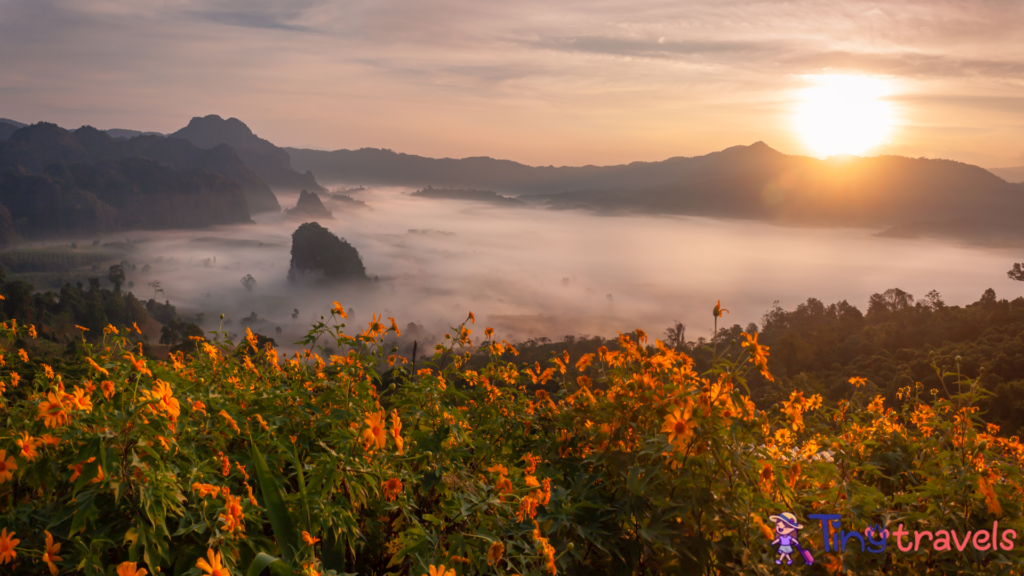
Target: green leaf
(259, 563)
(280, 520)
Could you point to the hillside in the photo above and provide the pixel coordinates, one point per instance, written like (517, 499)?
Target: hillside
(271, 163)
(114, 195)
(38, 146)
(753, 182)
(1009, 174)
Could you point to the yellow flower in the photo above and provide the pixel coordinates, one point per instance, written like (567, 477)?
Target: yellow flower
(32, 331)
(309, 569)
(129, 569)
(80, 400)
(214, 566)
(110, 329)
(23, 355)
(857, 381)
(84, 329)
(309, 540)
(440, 571)
(108, 389)
(494, 553)
(375, 433)
(97, 367)
(339, 310)
(50, 556)
(7, 541)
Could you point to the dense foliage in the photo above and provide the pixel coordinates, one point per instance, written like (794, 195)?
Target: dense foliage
(355, 463)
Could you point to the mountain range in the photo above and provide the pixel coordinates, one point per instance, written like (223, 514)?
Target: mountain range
(907, 196)
(900, 196)
(271, 163)
(55, 182)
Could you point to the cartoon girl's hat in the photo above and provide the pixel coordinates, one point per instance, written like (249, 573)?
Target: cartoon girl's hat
(788, 519)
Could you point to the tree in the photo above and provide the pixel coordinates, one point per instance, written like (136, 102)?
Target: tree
(157, 288)
(675, 336)
(1016, 273)
(116, 276)
(248, 281)
(892, 300)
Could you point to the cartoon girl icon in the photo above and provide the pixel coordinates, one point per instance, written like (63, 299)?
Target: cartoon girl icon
(786, 527)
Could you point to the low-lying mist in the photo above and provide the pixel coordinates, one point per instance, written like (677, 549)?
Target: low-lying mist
(534, 272)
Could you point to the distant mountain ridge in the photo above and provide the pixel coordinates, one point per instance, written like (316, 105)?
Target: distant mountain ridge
(54, 182)
(36, 147)
(752, 182)
(1009, 174)
(271, 163)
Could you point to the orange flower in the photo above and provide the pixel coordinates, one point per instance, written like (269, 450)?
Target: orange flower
(679, 426)
(991, 499)
(339, 310)
(309, 569)
(32, 331)
(50, 556)
(139, 365)
(233, 516)
(110, 329)
(857, 381)
(205, 490)
(7, 541)
(198, 406)
(82, 328)
(108, 389)
(214, 567)
(129, 569)
(80, 400)
(52, 411)
(375, 433)
(97, 367)
(494, 553)
(396, 431)
(23, 355)
(231, 421)
(28, 446)
(392, 487)
(440, 571)
(48, 371)
(719, 311)
(309, 540)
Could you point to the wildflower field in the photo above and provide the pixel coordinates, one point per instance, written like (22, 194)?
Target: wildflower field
(235, 459)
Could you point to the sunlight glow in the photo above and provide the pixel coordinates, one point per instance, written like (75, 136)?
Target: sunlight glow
(844, 114)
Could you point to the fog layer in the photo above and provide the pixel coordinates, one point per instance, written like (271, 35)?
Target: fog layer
(532, 272)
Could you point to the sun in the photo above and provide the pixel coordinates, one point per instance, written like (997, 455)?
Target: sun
(844, 114)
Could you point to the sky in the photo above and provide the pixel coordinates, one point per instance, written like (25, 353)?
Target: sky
(540, 82)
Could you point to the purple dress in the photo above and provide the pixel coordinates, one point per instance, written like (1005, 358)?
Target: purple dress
(786, 544)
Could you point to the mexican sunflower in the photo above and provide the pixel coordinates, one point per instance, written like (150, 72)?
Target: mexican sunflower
(719, 311)
(375, 432)
(50, 556)
(52, 411)
(494, 553)
(214, 567)
(129, 569)
(679, 426)
(440, 571)
(7, 543)
(392, 487)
